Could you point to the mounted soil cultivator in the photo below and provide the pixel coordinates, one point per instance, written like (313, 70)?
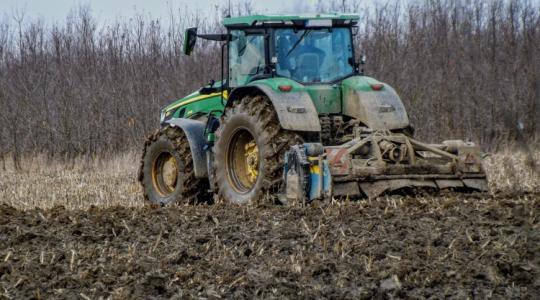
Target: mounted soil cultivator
(375, 162)
(295, 117)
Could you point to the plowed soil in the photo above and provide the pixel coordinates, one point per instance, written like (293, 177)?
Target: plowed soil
(424, 247)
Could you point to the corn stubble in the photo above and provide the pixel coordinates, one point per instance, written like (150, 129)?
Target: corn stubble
(82, 230)
(80, 184)
(84, 183)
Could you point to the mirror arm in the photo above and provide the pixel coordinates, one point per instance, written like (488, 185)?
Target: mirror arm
(214, 37)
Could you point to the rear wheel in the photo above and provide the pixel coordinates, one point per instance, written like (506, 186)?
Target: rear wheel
(249, 151)
(166, 169)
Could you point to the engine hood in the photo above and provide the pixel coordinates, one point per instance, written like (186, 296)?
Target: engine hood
(373, 103)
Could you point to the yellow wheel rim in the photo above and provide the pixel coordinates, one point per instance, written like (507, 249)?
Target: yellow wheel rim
(243, 161)
(165, 173)
(252, 160)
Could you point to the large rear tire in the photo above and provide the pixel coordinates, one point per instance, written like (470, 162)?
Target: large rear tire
(249, 152)
(166, 169)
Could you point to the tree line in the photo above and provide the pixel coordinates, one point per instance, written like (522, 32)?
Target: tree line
(464, 68)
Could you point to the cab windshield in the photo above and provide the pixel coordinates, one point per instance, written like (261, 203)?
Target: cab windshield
(313, 55)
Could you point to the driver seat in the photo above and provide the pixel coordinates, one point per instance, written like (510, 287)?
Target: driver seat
(307, 66)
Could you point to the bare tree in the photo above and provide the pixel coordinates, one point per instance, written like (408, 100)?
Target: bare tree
(463, 68)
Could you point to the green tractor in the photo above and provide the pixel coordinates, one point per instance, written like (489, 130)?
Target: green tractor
(294, 117)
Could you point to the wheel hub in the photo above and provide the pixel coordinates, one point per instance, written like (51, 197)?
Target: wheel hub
(165, 173)
(252, 160)
(243, 161)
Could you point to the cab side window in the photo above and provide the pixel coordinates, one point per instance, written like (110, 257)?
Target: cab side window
(246, 57)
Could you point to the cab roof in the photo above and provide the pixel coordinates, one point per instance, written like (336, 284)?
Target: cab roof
(260, 20)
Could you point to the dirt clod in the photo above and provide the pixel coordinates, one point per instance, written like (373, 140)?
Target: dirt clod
(391, 283)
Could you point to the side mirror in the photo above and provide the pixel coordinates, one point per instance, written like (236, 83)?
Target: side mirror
(190, 38)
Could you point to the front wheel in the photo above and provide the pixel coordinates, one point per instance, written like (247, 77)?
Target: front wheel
(166, 169)
(249, 151)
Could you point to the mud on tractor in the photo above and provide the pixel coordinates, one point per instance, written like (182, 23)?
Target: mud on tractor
(296, 117)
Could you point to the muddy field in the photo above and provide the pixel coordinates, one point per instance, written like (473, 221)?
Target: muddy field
(449, 246)
(83, 231)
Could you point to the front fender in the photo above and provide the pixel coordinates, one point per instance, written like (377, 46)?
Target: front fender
(295, 109)
(194, 131)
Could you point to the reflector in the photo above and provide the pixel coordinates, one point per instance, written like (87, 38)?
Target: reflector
(285, 88)
(377, 86)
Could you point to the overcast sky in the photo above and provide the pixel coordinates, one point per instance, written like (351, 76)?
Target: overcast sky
(56, 10)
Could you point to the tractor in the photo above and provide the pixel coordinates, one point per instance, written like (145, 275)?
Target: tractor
(295, 118)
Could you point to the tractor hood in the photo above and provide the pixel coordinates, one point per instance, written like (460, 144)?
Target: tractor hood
(373, 103)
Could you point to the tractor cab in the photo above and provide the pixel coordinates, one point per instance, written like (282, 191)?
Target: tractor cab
(306, 49)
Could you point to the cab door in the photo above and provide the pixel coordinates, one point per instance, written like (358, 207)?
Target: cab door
(246, 56)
